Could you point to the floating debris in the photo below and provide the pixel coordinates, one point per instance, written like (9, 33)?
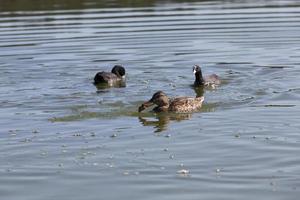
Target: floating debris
(145, 81)
(110, 165)
(171, 156)
(168, 135)
(166, 149)
(126, 173)
(35, 131)
(238, 135)
(77, 134)
(93, 134)
(218, 170)
(26, 140)
(183, 171)
(113, 135)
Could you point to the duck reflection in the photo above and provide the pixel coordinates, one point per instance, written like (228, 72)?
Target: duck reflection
(104, 87)
(199, 91)
(160, 121)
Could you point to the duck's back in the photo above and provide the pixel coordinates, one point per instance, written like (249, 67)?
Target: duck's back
(185, 104)
(212, 79)
(106, 77)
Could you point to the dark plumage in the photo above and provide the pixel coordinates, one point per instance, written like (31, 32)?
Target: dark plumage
(178, 104)
(210, 80)
(113, 78)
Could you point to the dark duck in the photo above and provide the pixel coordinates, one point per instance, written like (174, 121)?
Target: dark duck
(115, 78)
(177, 105)
(211, 80)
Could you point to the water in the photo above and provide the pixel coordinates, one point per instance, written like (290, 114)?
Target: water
(61, 138)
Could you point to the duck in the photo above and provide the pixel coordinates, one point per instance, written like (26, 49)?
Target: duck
(177, 105)
(210, 80)
(114, 78)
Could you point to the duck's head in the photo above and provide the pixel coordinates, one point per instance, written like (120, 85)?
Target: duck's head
(159, 98)
(118, 70)
(197, 69)
(199, 80)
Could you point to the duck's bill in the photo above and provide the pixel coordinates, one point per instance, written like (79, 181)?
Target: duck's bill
(145, 105)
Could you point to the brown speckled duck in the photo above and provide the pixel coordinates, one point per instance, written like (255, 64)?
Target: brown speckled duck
(113, 78)
(178, 104)
(210, 80)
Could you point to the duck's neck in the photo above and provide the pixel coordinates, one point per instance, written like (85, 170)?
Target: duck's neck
(161, 108)
(162, 105)
(199, 80)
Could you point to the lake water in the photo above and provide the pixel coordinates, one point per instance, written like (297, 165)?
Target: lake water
(62, 139)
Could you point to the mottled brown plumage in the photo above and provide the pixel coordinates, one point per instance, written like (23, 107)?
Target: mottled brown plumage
(178, 104)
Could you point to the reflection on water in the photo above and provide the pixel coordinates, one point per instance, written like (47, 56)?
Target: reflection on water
(199, 91)
(103, 87)
(163, 119)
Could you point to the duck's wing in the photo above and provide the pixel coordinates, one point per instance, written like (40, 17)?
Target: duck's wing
(186, 104)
